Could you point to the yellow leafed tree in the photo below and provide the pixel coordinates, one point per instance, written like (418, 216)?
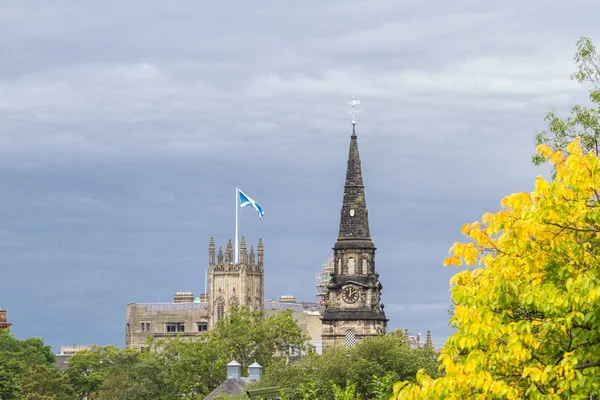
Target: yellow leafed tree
(528, 312)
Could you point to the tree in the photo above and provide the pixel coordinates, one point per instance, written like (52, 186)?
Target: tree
(529, 321)
(137, 376)
(198, 366)
(583, 122)
(45, 382)
(27, 373)
(87, 369)
(372, 366)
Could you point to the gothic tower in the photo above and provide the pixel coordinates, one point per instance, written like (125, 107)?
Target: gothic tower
(232, 284)
(353, 309)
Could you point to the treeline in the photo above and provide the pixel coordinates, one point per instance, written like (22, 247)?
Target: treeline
(181, 368)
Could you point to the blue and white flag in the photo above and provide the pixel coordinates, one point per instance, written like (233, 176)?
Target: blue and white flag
(247, 201)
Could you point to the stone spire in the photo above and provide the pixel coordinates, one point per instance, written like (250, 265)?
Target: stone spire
(428, 341)
(229, 253)
(354, 221)
(252, 260)
(220, 256)
(260, 253)
(211, 252)
(243, 252)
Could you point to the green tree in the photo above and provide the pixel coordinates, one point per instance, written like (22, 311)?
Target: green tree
(583, 122)
(88, 369)
(198, 366)
(372, 359)
(137, 376)
(45, 382)
(27, 373)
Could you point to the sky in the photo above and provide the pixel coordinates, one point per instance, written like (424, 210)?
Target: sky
(125, 128)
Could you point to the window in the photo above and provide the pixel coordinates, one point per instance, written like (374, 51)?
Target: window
(173, 327)
(350, 339)
(202, 326)
(127, 328)
(145, 326)
(364, 267)
(351, 266)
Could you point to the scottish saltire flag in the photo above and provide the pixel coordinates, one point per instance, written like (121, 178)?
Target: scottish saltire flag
(247, 201)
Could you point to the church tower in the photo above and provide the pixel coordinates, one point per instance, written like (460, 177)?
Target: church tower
(231, 284)
(353, 308)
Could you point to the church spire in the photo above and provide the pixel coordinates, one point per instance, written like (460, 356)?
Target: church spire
(354, 220)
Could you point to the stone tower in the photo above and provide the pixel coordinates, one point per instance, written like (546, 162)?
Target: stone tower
(353, 309)
(232, 284)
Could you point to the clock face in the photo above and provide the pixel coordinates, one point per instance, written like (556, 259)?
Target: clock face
(350, 294)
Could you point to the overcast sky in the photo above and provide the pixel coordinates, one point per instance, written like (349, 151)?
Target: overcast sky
(126, 126)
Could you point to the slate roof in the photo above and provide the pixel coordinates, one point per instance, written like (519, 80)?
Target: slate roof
(230, 386)
(276, 305)
(173, 306)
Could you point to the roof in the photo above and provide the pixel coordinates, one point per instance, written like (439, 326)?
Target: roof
(268, 305)
(173, 306)
(277, 306)
(230, 386)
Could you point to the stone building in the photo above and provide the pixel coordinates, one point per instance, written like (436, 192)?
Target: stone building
(185, 315)
(231, 284)
(189, 317)
(353, 308)
(4, 324)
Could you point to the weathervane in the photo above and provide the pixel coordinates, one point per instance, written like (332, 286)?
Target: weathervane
(354, 111)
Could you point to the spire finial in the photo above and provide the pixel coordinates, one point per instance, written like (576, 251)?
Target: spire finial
(353, 103)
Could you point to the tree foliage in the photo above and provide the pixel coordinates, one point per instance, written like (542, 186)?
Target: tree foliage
(529, 321)
(27, 373)
(369, 369)
(582, 122)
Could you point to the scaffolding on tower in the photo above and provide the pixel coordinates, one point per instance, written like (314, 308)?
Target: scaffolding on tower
(323, 278)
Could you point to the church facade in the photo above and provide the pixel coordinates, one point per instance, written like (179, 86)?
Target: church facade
(353, 309)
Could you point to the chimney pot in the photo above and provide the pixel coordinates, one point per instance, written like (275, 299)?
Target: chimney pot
(255, 371)
(234, 370)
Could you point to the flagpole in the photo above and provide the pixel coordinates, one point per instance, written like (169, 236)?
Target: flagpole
(237, 206)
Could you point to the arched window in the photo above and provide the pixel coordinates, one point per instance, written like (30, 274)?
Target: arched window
(365, 266)
(350, 339)
(351, 266)
(234, 302)
(220, 308)
(339, 268)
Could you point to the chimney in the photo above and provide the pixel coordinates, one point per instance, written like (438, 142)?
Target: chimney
(234, 370)
(287, 299)
(255, 371)
(3, 321)
(183, 297)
